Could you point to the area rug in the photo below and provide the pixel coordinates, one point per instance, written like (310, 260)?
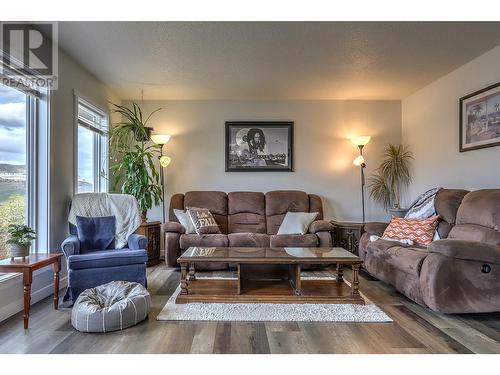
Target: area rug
(271, 312)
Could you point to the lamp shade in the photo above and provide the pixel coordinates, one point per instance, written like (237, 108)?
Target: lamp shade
(360, 160)
(160, 139)
(165, 161)
(361, 140)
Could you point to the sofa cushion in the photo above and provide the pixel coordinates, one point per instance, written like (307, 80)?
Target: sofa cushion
(279, 202)
(215, 201)
(420, 231)
(246, 212)
(294, 240)
(185, 220)
(188, 240)
(447, 202)
(473, 232)
(112, 258)
(316, 205)
(248, 239)
(481, 207)
(406, 259)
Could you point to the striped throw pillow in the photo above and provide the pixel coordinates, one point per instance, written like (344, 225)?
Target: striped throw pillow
(420, 231)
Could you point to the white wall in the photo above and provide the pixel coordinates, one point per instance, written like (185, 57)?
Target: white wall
(430, 126)
(323, 153)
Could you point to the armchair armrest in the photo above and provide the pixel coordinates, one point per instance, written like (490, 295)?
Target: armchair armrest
(173, 227)
(466, 250)
(137, 242)
(71, 246)
(375, 228)
(321, 226)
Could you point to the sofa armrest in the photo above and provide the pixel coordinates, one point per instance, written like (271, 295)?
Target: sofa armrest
(137, 242)
(173, 227)
(71, 246)
(375, 228)
(321, 226)
(466, 250)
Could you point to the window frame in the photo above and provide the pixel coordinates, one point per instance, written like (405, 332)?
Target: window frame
(101, 148)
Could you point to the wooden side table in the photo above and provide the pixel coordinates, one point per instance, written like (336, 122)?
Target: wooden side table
(26, 266)
(152, 231)
(347, 235)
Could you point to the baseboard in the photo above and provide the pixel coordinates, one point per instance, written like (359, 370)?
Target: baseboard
(17, 305)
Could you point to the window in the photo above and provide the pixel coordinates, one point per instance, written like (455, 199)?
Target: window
(92, 148)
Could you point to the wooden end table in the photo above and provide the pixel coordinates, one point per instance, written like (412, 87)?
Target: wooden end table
(26, 266)
(347, 235)
(152, 231)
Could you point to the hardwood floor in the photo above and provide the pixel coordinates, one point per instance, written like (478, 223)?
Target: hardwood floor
(415, 330)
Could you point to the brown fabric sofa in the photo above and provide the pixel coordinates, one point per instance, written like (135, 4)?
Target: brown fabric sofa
(460, 273)
(246, 219)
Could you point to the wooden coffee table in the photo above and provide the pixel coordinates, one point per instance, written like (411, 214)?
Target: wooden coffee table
(269, 275)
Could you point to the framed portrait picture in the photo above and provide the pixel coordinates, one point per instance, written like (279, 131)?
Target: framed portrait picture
(480, 119)
(259, 146)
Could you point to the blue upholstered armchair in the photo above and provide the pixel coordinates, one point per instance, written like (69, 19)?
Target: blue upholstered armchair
(90, 267)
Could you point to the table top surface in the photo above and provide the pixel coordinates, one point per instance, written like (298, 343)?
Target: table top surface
(31, 260)
(269, 255)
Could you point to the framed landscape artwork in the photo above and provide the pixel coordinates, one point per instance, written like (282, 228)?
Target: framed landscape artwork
(259, 146)
(480, 119)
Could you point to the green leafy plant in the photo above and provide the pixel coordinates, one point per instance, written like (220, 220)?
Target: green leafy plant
(391, 176)
(133, 157)
(20, 234)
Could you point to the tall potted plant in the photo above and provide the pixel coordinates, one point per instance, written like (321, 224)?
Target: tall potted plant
(391, 177)
(133, 158)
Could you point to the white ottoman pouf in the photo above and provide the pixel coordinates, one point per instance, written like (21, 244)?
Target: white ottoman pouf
(110, 307)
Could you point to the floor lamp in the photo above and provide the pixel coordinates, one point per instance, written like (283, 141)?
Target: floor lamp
(162, 139)
(361, 141)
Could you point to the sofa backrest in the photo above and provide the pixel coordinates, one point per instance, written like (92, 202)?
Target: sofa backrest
(247, 212)
(279, 202)
(243, 212)
(446, 204)
(478, 217)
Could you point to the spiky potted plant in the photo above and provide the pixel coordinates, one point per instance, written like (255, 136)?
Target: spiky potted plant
(133, 158)
(20, 237)
(391, 177)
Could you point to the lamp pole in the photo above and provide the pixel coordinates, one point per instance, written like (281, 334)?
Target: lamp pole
(363, 166)
(162, 188)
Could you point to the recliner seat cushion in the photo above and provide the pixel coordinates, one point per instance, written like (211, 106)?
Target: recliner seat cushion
(294, 240)
(248, 239)
(216, 240)
(246, 212)
(112, 258)
(406, 259)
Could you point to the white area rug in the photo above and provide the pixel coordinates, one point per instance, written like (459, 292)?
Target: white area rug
(271, 312)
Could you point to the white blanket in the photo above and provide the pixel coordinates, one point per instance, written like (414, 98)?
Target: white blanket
(123, 207)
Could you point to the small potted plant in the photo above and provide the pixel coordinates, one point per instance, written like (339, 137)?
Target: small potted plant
(20, 237)
(391, 177)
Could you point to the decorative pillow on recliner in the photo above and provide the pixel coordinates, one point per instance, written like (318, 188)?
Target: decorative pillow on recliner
(185, 221)
(297, 222)
(203, 221)
(420, 231)
(96, 233)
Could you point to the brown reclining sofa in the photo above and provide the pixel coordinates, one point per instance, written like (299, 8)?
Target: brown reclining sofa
(246, 219)
(460, 273)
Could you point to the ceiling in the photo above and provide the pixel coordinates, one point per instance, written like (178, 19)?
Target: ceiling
(273, 60)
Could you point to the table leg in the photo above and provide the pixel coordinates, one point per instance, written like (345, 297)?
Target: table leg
(27, 280)
(57, 268)
(294, 271)
(192, 276)
(340, 272)
(355, 280)
(184, 284)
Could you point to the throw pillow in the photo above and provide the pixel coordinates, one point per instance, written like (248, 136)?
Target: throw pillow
(185, 221)
(96, 233)
(420, 231)
(297, 222)
(203, 221)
